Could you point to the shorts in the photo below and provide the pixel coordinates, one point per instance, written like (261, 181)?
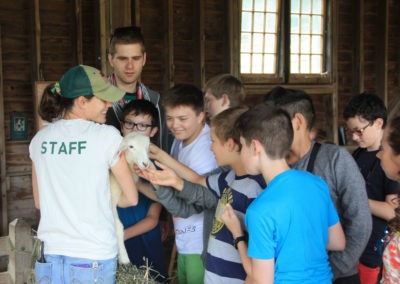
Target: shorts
(190, 269)
(65, 269)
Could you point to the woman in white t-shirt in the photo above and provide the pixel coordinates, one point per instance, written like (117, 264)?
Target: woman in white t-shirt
(71, 159)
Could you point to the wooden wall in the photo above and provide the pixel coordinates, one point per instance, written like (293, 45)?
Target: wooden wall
(187, 41)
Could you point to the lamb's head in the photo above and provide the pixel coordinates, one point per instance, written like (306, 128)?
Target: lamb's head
(136, 148)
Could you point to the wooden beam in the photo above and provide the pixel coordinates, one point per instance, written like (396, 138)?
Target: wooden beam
(334, 65)
(137, 20)
(78, 31)
(382, 51)
(233, 25)
(199, 43)
(359, 82)
(36, 52)
(121, 13)
(169, 79)
(103, 35)
(3, 169)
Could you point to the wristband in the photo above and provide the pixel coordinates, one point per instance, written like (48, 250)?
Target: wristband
(239, 239)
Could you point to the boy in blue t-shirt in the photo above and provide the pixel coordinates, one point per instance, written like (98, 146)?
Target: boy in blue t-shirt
(293, 222)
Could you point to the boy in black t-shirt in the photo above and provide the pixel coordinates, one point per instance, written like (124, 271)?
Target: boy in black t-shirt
(365, 117)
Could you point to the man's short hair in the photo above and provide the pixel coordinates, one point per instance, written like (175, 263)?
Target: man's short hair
(293, 101)
(126, 35)
(367, 105)
(141, 107)
(270, 125)
(224, 124)
(184, 95)
(229, 85)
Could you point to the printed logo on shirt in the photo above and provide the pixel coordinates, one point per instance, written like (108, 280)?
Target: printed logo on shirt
(63, 148)
(187, 229)
(226, 197)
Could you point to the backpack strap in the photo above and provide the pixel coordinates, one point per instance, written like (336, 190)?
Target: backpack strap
(313, 155)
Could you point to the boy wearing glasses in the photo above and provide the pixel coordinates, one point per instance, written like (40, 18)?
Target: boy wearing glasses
(142, 232)
(365, 116)
(127, 57)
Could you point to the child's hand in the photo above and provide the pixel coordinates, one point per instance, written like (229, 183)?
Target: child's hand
(231, 221)
(155, 152)
(165, 176)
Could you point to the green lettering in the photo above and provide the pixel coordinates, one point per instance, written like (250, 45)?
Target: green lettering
(44, 149)
(72, 146)
(53, 144)
(81, 146)
(63, 149)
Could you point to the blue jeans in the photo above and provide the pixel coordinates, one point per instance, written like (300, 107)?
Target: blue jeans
(64, 269)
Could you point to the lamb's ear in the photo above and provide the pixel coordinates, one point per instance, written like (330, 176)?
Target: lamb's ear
(123, 146)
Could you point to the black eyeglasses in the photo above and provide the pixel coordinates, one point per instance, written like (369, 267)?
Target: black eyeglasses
(139, 126)
(359, 132)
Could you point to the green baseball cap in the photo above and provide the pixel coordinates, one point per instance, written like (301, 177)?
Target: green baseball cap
(83, 80)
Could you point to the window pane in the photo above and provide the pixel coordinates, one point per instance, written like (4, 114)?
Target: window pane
(256, 63)
(294, 24)
(316, 66)
(259, 36)
(316, 46)
(246, 22)
(258, 40)
(269, 44)
(305, 44)
(305, 24)
(269, 64)
(245, 43)
(259, 5)
(295, 6)
(294, 44)
(294, 63)
(317, 25)
(271, 23)
(271, 5)
(305, 6)
(304, 64)
(258, 22)
(245, 63)
(247, 5)
(317, 7)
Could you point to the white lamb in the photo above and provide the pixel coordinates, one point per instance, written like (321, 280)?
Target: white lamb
(136, 148)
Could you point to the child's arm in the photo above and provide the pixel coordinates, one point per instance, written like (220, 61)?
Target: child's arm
(262, 271)
(145, 225)
(182, 170)
(232, 222)
(383, 209)
(336, 238)
(124, 177)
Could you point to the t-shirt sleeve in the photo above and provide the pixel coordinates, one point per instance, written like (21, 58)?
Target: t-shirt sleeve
(262, 232)
(114, 141)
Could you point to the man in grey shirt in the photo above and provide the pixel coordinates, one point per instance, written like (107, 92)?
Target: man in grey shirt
(337, 167)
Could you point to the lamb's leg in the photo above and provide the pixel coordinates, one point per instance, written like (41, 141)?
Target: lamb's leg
(122, 253)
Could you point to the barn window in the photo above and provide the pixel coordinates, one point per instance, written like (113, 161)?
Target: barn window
(284, 39)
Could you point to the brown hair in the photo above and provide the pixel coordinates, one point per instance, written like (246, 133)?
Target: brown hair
(229, 85)
(271, 126)
(126, 35)
(394, 135)
(224, 124)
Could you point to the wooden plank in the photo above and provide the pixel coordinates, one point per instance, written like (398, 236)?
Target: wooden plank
(36, 52)
(4, 246)
(234, 10)
(103, 35)
(169, 78)
(78, 31)
(121, 13)
(5, 278)
(137, 20)
(382, 51)
(3, 173)
(199, 43)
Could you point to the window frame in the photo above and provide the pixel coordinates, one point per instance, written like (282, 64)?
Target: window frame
(282, 74)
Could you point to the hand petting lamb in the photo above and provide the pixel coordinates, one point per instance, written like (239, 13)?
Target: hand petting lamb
(136, 148)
